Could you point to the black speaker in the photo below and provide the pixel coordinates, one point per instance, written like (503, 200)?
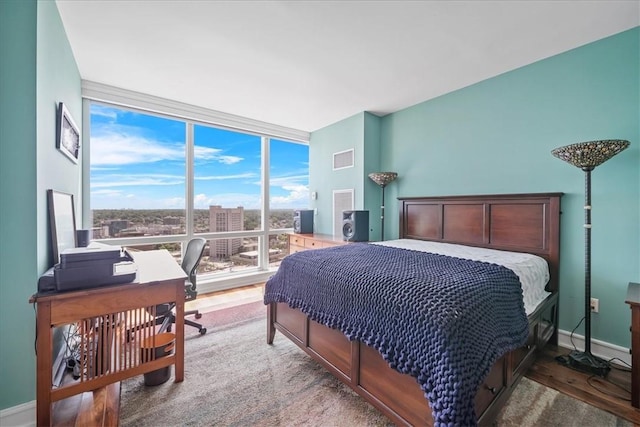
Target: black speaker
(83, 237)
(355, 226)
(303, 222)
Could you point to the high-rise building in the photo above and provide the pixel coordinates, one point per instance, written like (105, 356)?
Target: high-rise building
(225, 219)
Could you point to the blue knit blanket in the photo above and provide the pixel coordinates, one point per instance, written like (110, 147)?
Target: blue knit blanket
(441, 319)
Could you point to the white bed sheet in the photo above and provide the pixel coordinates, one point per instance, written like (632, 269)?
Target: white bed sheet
(532, 270)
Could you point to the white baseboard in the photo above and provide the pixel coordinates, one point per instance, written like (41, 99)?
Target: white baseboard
(602, 349)
(24, 415)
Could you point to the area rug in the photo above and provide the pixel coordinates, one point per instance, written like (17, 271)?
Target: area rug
(234, 378)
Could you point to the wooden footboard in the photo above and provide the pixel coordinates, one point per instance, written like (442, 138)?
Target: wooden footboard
(397, 395)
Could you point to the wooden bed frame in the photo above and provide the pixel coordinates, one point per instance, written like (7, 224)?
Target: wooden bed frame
(514, 222)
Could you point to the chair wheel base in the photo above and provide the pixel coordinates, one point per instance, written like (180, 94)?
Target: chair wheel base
(198, 315)
(203, 331)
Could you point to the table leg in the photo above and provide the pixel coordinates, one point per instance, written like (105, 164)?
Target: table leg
(44, 364)
(179, 367)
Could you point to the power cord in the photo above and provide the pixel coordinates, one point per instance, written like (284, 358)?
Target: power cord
(572, 332)
(593, 381)
(564, 360)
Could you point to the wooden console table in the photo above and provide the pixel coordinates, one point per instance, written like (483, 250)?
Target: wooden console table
(633, 299)
(104, 316)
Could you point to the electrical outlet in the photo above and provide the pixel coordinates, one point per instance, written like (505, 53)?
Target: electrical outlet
(595, 305)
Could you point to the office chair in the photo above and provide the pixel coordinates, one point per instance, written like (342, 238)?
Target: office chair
(190, 262)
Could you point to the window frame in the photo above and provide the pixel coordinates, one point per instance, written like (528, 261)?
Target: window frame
(192, 116)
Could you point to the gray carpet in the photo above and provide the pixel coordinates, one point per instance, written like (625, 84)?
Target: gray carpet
(233, 378)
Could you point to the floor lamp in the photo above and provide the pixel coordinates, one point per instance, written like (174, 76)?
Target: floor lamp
(382, 179)
(586, 156)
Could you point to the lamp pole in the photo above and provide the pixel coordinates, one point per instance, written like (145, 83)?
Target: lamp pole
(587, 260)
(382, 216)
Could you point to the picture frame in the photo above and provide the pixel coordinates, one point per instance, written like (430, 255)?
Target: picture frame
(68, 134)
(62, 222)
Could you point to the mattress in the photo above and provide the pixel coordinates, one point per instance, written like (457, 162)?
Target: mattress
(532, 270)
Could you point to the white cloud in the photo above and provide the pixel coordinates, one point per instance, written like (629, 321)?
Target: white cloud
(296, 188)
(126, 145)
(129, 180)
(227, 200)
(289, 180)
(107, 193)
(297, 195)
(222, 177)
(104, 111)
(208, 153)
(111, 148)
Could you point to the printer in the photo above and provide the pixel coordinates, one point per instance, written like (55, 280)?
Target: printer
(88, 267)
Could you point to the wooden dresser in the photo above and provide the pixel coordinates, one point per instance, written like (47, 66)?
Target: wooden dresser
(633, 299)
(303, 242)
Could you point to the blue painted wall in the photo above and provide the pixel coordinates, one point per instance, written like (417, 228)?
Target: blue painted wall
(496, 137)
(38, 70)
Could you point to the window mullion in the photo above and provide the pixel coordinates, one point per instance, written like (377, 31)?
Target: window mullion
(264, 241)
(189, 181)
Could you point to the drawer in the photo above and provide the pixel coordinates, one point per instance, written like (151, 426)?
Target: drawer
(492, 386)
(296, 240)
(312, 244)
(520, 354)
(547, 323)
(295, 248)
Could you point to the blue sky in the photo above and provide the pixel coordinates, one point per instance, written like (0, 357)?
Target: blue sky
(138, 162)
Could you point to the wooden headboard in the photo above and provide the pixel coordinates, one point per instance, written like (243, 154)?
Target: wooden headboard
(513, 222)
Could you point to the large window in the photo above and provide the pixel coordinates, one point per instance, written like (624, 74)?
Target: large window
(288, 191)
(227, 179)
(138, 166)
(157, 181)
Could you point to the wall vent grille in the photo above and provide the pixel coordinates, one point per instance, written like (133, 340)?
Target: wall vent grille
(342, 201)
(343, 159)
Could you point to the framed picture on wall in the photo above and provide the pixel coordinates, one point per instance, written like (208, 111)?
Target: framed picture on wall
(68, 134)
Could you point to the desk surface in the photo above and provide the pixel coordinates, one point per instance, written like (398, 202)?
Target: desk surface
(156, 266)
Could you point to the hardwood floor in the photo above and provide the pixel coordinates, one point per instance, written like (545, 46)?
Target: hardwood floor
(611, 394)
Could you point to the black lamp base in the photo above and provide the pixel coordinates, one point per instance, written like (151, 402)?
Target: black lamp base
(587, 362)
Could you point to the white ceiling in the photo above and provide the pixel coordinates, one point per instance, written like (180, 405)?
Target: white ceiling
(308, 64)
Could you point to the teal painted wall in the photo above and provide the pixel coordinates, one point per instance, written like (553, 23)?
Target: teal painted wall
(496, 137)
(58, 80)
(18, 200)
(362, 134)
(38, 71)
(344, 135)
(372, 161)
